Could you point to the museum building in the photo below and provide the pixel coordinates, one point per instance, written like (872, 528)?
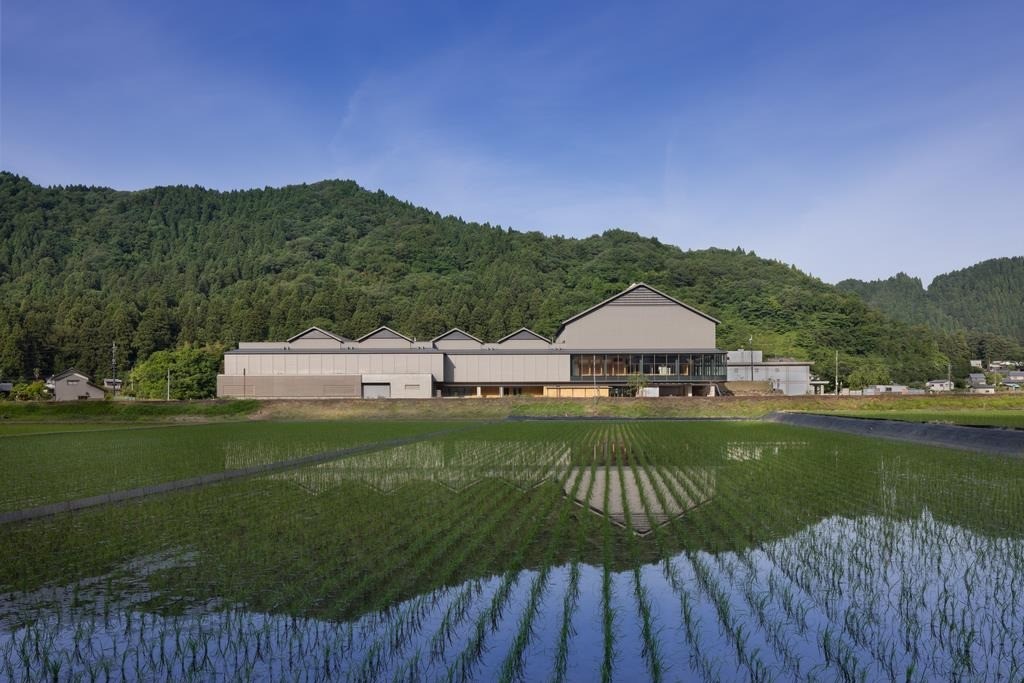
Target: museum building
(640, 336)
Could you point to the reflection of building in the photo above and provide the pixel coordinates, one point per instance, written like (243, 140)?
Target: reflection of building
(653, 495)
(456, 465)
(756, 450)
(638, 336)
(790, 377)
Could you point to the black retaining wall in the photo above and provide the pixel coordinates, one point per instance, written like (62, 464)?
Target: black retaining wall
(981, 439)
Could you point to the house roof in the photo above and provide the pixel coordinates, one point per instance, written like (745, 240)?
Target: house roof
(73, 371)
(640, 293)
(317, 333)
(456, 334)
(384, 332)
(523, 334)
(70, 371)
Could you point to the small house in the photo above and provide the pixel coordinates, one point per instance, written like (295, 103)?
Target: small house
(937, 385)
(72, 385)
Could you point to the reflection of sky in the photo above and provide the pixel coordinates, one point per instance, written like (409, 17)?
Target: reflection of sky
(875, 590)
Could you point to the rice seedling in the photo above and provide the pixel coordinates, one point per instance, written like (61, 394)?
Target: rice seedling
(717, 551)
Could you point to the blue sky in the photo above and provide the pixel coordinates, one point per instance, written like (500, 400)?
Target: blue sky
(851, 139)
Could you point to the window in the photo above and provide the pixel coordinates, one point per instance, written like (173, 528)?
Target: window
(659, 367)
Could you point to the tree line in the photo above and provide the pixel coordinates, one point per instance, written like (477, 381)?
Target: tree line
(174, 267)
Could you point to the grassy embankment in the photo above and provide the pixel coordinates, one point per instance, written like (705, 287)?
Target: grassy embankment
(1000, 410)
(122, 411)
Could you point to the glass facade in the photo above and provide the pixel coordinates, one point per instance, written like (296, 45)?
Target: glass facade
(658, 367)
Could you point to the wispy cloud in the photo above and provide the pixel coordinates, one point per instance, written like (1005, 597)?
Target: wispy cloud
(853, 141)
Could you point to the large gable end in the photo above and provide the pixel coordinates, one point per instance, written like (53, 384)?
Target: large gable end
(640, 294)
(639, 317)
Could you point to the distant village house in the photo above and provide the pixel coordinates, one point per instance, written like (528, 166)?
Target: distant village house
(72, 385)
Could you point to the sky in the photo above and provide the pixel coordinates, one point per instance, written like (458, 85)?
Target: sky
(852, 139)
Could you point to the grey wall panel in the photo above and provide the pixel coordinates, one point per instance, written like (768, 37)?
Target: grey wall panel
(322, 343)
(507, 368)
(639, 327)
(524, 344)
(457, 344)
(281, 386)
(377, 343)
(404, 385)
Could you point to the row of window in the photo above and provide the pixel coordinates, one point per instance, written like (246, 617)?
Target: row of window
(666, 366)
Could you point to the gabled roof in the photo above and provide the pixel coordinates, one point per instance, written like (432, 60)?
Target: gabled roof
(523, 334)
(70, 371)
(73, 371)
(384, 332)
(640, 294)
(455, 334)
(317, 333)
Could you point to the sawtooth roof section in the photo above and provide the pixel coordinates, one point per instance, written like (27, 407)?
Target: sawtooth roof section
(523, 334)
(640, 294)
(455, 334)
(318, 333)
(384, 332)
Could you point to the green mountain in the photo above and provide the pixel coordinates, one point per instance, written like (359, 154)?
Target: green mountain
(903, 297)
(81, 267)
(983, 303)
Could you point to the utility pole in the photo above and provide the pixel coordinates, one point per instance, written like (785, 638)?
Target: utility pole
(168, 382)
(113, 365)
(837, 372)
(751, 358)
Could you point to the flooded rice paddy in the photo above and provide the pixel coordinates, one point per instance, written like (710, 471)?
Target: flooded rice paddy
(542, 551)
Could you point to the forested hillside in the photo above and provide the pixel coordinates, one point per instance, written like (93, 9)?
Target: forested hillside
(81, 267)
(983, 303)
